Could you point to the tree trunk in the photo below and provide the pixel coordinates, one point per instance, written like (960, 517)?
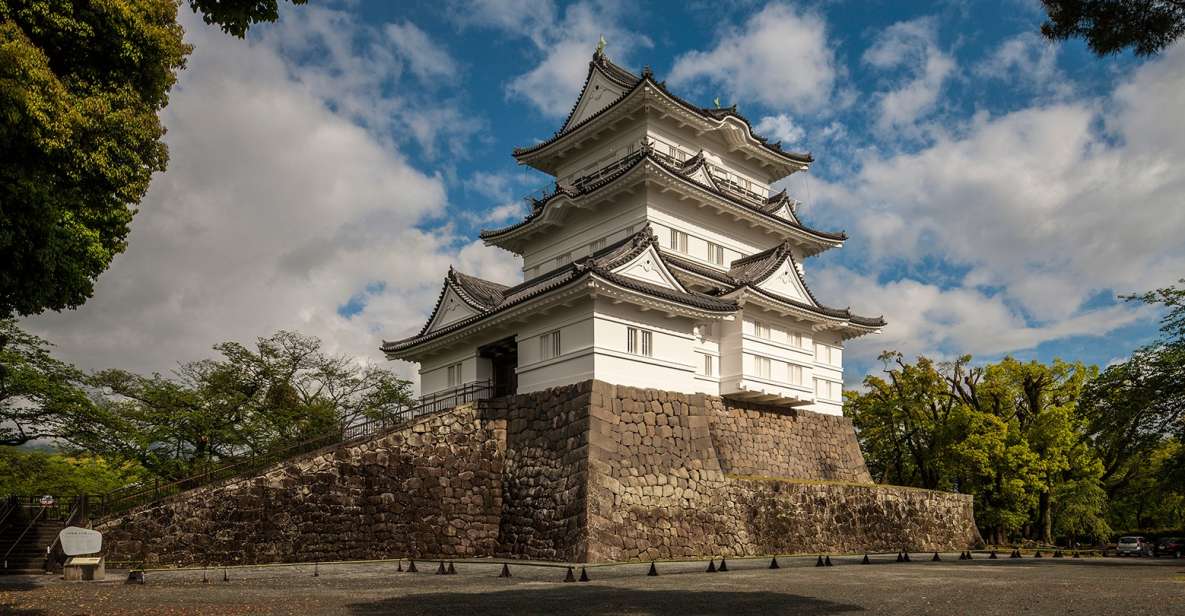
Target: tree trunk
(1045, 517)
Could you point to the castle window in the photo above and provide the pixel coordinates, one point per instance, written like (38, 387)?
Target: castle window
(826, 354)
(564, 259)
(549, 345)
(678, 241)
(794, 374)
(761, 365)
(715, 254)
(761, 330)
(828, 390)
(707, 365)
(596, 245)
(639, 341)
(454, 375)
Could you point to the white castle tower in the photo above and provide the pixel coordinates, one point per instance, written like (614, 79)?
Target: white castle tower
(660, 259)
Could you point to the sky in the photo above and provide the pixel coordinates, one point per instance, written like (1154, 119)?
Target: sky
(1000, 192)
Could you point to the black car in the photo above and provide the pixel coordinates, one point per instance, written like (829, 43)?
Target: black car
(1171, 546)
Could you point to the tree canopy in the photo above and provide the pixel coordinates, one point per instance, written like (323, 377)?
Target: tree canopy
(81, 85)
(1111, 26)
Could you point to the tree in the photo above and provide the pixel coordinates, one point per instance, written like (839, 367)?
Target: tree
(250, 401)
(39, 394)
(1111, 26)
(24, 471)
(81, 86)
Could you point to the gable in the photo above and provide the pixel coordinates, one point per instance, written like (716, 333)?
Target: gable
(702, 176)
(452, 309)
(786, 282)
(649, 267)
(597, 94)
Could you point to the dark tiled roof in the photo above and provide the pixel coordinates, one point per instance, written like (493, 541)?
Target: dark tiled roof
(599, 265)
(838, 313)
(486, 294)
(632, 82)
(631, 161)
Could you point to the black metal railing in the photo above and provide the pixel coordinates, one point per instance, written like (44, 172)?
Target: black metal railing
(144, 493)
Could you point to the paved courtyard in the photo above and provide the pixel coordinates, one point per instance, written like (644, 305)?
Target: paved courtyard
(1027, 586)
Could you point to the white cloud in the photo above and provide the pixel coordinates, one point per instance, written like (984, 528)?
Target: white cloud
(425, 58)
(567, 43)
(780, 57)
(1043, 209)
(910, 48)
(780, 127)
(277, 207)
(1029, 59)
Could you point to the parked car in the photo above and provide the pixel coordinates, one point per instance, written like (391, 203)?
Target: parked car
(1133, 546)
(1171, 546)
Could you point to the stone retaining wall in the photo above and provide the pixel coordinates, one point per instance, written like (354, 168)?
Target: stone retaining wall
(433, 488)
(586, 472)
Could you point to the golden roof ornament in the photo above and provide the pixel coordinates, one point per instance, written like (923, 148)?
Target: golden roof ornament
(601, 46)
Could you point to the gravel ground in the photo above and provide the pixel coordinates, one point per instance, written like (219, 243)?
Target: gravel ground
(1094, 586)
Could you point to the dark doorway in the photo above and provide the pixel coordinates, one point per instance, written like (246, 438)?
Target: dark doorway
(503, 356)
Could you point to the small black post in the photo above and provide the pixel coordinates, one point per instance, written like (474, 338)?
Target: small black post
(723, 568)
(1038, 554)
(583, 575)
(992, 556)
(440, 570)
(316, 571)
(399, 567)
(569, 577)
(451, 570)
(906, 556)
(505, 571)
(773, 564)
(969, 555)
(225, 575)
(899, 558)
(866, 561)
(827, 560)
(653, 571)
(411, 566)
(819, 561)
(936, 558)
(711, 566)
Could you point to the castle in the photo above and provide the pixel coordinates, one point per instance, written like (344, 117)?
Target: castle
(664, 383)
(661, 258)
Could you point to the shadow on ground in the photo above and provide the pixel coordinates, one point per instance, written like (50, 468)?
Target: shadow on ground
(594, 600)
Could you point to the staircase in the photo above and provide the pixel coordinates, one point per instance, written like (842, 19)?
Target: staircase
(27, 553)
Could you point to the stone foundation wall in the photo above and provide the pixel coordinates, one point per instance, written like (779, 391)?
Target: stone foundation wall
(773, 442)
(586, 472)
(660, 484)
(545, 469)
(432, 488)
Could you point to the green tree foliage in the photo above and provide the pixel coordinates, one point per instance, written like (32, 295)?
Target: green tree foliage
(44, 472)
(236, 16)
(1111, 26)
(39, 395)
(81, 85)
(249, 401)
(1009, 433)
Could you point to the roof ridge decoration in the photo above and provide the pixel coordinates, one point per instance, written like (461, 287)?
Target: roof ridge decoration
(766, 264)
(632, 83)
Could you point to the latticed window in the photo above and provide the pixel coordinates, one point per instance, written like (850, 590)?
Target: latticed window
(639, 341)
(708, 365)
(678, 241)
(761, 330)
(715, 254)
(454, 375)
(549, 345)
(761, 366)
(794, 374)
(596, 245)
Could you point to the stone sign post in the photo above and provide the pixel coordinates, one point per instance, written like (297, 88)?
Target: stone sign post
(82, 545)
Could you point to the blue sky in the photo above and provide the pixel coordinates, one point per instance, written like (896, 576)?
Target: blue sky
(999, 190)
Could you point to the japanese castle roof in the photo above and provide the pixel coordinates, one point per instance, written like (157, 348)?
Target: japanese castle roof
(687, 172)
(632, 83)
(490, 298)
(496, 298)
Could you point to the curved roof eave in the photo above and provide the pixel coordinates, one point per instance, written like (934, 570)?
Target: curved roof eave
(491, 236)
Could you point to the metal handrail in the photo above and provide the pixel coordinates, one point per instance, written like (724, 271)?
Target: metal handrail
(12, 547)
(10, 505)
(78, 502)
(140, 493)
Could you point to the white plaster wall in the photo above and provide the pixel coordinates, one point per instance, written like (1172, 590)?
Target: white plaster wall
(434, 372)
(610, 221)
(672, 364)
(598, 155)
(668, 132)
(575, 362)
